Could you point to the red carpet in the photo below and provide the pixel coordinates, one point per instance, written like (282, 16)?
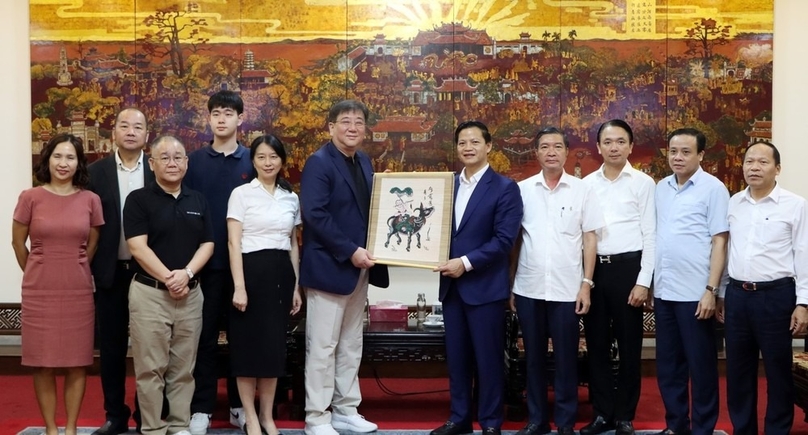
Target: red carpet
(393, 405)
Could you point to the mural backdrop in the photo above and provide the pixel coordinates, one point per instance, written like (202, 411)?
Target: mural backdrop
(421, 66)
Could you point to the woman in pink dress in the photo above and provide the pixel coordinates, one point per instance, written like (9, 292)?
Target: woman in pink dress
(61, 220)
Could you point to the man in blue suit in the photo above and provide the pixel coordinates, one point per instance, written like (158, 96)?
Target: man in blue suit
(474, 283)
(335, 270)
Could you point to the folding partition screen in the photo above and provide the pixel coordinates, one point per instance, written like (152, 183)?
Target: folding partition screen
(420, 66)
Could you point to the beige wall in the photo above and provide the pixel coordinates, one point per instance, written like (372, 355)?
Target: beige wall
(790, 113)
(15, 123)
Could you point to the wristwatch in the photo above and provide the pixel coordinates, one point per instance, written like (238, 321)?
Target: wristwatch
(712, 290)
(189, 272)
(589, 281)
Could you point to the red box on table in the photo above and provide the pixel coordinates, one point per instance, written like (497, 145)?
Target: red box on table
(388, 314)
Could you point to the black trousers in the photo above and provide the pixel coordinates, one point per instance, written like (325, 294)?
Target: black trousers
(112, 314)
(758, 323)
(611, 317)
(217, 288)
(540, 320)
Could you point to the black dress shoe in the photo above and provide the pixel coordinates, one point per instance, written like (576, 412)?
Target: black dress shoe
(534, 429)
(565, 431)
(111, 428)
(491, 431)
(597, 426)
(624, 428)
(452, 428)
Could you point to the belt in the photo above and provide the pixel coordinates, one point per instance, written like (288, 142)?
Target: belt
(126, 264)
(615, 258)
(151, 282)
(752, 286)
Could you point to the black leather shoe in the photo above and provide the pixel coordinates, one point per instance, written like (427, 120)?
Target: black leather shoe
(452, 428)
(534, 429)
(491, 431)
(565, 431)
(624, 428)
(111, 428)
(597, 426)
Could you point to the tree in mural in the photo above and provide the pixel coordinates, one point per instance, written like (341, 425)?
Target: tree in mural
(173, 29)
(572, 35)
(703, 37)
(42, 122)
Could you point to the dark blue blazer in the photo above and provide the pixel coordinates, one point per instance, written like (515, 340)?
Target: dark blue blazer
(485, 236)
(104, 182)
(334, 223)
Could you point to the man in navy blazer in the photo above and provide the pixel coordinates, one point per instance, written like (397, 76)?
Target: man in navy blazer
(335, 270)
(474, 284)
(112, 178)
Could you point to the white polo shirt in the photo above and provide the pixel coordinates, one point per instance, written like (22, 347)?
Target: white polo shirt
(267, 219)
(551, 258)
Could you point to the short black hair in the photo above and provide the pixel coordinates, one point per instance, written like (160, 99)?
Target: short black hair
(551, 130)
(470, 124)
(617, 123)
(273, 142)
(345, 106)
(775, 151)
(701, 139)
(226, 99)
(42, 170)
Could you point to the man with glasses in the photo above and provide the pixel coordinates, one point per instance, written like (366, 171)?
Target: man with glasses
(169, 232)
(335, 270)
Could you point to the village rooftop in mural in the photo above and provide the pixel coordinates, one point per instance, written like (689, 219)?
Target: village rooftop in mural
(420, 67)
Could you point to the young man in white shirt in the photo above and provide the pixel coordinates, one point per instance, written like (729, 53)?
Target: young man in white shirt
(624, 267)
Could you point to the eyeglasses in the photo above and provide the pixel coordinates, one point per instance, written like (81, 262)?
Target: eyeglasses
(347, 123)
(166, 159)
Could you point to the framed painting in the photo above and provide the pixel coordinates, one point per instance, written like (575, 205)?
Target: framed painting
(411, 218)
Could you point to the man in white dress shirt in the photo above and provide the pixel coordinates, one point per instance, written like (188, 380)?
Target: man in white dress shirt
(553, 281)
(765, 302)
(623, 270)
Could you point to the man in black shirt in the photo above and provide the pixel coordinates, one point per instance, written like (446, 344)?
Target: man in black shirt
(168, 230)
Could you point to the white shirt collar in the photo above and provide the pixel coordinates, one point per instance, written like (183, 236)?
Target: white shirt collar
(474, 178)
(124, 168)
(626, 170)
(774, 195)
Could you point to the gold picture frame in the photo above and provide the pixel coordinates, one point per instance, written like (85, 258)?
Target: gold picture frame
(411, 218)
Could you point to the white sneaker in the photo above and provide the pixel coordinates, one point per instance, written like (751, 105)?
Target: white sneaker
(200, 422)
(353, 423)
(237, 417)
(183, 432)
(320, 429)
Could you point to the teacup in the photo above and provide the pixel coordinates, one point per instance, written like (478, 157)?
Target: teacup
(434, 318)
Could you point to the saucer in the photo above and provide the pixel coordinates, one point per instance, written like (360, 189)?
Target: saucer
(433, 324)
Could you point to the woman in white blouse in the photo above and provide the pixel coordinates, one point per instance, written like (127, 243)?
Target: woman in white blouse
(261, 225)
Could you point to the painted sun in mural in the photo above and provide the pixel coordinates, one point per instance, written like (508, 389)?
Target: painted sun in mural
(272, 21)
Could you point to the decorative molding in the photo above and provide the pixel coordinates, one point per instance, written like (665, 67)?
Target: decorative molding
(10, 319)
